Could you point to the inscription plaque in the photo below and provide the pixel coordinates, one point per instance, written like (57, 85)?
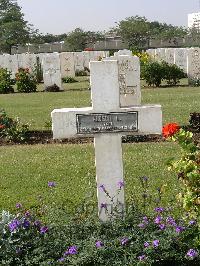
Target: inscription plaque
(107, 122)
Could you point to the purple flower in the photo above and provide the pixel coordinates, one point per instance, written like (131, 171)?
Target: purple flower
(141, 225)
(145, 220)
(156, 243)
(146, 244)
(171, 221)
(103, 206)
(99, 244)
(26, 224)
(102, 187)
(159, 209)
(37, 223)
(124, 241)
(120, 184)
(44, 230)
(192, 253)
(27, 214)
(71, 251)
(180, 229)
(192, 222)
(18, 205)
(13, 225)
(61, 260)
(141, 258)
(162, 226)
(51, 184)
(158, 220)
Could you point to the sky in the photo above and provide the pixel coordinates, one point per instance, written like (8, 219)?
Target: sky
(62, 16)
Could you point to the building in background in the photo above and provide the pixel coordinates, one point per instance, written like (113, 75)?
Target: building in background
(194, 21)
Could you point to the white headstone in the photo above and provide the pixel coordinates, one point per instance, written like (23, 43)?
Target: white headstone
(51, 70)
(180, 58)
(107, 122)
(193, 65)
(160, 54)
(78, 61)
(67, 64)
(29, 61)
(123, 52)
(169, 55)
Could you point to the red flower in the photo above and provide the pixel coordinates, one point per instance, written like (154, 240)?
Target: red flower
(2, 126)
(170, 129)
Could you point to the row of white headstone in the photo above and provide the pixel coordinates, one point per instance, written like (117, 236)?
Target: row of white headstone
(188, 59)
(116, 111)
(55, 66)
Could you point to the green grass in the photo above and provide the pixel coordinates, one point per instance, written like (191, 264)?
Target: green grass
(35, 108)
(25, 171)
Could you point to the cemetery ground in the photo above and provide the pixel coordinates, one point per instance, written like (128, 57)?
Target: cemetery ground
(72, 166)
(28, 173)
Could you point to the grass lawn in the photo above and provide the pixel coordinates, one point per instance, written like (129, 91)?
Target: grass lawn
(35, 108)
(25, 171)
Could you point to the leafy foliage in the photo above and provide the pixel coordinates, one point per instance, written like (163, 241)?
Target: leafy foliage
(155, 72)
(25, 81)
(13, 28)
(12, 129)
(69, 80)
(5, 81)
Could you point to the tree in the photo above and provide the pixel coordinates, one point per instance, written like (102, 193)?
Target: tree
(78, 39)
(134, 31)
(13, 28)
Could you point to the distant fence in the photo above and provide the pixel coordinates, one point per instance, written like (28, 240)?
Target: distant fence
(107, 44)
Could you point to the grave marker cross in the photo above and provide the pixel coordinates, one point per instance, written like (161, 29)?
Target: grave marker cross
(107, 122)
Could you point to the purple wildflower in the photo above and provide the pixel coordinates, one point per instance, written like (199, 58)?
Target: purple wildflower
(192, 253)
(144, 178)
(44, 230)
(61, 260)
(71, 251)
(26, 224)
(158, 220)
(141, 258)
(37, 223)
(102, 187)
(27, 214)
(51, 184)
(124, 241)
(156, 243)
(145, 220)
(146, 244)
(103, 205)
(180, 229)
(159, 209)
(192, 222)
(120, 184)
(13, 225)
(18, 205)
(171, 221)
(162, 226)
(99, 244)
(141, 225)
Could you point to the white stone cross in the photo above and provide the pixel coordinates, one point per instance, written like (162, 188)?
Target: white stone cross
(107, 122)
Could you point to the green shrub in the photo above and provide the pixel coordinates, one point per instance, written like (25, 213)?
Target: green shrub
(12, 130)
(69, 80)
(172, 73)
(153, 73)
(5, 81)
(81, 73)
(25, 81)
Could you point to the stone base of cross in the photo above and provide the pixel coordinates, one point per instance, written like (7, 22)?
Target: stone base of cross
(107, 122)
